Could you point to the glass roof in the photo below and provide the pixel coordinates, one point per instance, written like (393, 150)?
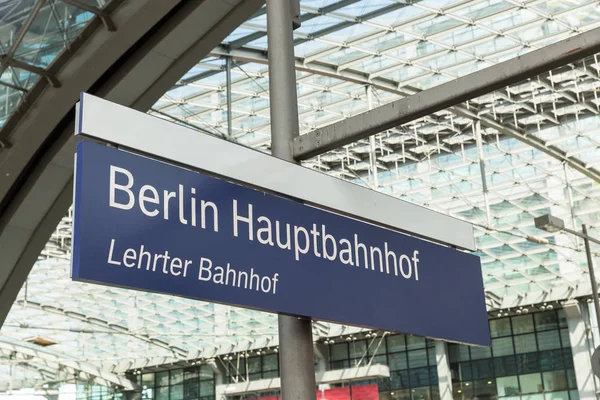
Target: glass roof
(33, 34)
(538, 144)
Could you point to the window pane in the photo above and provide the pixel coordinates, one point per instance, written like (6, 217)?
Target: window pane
(254, 365)
(539, 396)
(358, 349)
(555, 380)
(435, 392)
(527, 363)
(191, 374)
(399, 379)
(339, 351)
(562, 319)
(431, 356)
(254, 377)
(270, 374)
(482, 369)
(419, 377)
(403, 394)
(162, 393)
(148, 380)
(270, 362)
(557, 396)
(417, 358)
(463, 390)
(176, 377)
(398, 361)
(415, 342)
(500, 327)
(433, 375)
(551, 360)
(525, 343)
(548, 340)
(191, 390)
(485, 388)
(505, 366)
(458, 352)
(176, 392)
(502, 346)
(522, 324)
(571, 379)
(376, 348)
(478, 353)
(507, 386)
(206, 372)
(395, 343)
(546, 320)
(207, 389)
(564, 338)
(463, 371)
(162, 378)
(568, 358)
(420, 394)
(340, 364)
(531, 383)
(382, 359)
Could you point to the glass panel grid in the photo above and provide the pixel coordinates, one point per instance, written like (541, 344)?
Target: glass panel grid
(528, 357)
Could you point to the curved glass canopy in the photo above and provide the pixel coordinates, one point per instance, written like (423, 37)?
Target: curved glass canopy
(33, 34)
(351, 56)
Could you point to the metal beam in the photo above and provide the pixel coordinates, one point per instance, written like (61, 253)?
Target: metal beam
(11, 62)
(446, 95)
(236, 44)
(249, 55)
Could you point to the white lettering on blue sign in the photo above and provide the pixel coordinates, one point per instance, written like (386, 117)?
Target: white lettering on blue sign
(299, 240)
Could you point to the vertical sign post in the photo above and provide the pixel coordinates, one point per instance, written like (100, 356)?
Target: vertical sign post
(296, 358)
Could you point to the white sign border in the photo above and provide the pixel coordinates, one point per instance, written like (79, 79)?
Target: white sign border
(103, 120)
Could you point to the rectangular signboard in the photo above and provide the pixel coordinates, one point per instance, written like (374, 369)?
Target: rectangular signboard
(132, 129)
(148, 225)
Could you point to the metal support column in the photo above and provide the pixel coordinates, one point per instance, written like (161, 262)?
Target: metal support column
(479, 140)
(229, 111)
(443, 370)
(593, 281)
(372, 154)
(296, 359)
(580, 347)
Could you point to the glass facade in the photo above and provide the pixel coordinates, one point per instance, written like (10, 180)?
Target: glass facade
(530, 359)
(411, 359)
(190, 383)
(262, 366)
(86, 391)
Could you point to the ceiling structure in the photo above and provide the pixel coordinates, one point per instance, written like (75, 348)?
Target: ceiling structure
(538, 143)
(33, 33)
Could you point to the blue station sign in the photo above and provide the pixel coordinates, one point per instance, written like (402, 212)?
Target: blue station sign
(152, 226)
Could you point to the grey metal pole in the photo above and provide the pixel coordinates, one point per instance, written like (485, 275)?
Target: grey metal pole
(296, 359)
(229, 105)
(590, 262)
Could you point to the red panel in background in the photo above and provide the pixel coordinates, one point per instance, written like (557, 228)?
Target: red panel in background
(367, 392)
(336, 394)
